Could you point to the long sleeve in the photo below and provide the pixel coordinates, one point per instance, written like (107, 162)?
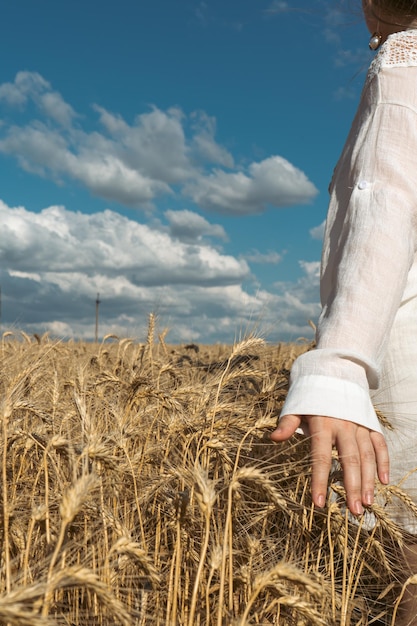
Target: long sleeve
(369, 248)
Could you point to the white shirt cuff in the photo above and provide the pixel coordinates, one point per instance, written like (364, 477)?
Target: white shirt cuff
(316, 394)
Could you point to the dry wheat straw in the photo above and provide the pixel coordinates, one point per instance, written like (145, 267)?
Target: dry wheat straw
(197, 517)
(412, 580)
(206, 496)
(72, 502)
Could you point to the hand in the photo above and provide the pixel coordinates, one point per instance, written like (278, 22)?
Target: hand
(362, 453)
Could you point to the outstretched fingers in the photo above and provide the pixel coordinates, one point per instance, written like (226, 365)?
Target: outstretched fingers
(362, 453)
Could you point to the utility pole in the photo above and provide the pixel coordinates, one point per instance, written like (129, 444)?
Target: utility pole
(97, 306)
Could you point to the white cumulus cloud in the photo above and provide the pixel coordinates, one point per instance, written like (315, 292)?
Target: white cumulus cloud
(317, 232)
(297, 302)
(191, 227)
(59, 241)
(53, 264)
(160, 153)
(272, 182)
(32, 86)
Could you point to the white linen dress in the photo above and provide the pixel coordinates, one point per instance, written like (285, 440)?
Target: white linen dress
(366, 350)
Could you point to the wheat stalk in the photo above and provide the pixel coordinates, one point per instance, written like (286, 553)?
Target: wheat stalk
(72, 502)
(197, 517)
(206, 496)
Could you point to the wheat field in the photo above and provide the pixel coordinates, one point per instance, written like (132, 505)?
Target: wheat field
(139, 487)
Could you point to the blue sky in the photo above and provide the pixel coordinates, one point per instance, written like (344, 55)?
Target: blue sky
(173, 156)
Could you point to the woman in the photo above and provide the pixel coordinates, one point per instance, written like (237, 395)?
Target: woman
(366, 351)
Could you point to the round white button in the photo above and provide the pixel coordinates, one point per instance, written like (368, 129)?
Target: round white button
(363, 184)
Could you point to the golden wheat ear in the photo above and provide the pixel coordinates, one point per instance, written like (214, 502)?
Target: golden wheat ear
(139, 486)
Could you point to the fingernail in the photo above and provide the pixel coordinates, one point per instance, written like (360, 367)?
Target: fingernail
(358, 508)
(369, 497)
(385, 478)
(321, 501)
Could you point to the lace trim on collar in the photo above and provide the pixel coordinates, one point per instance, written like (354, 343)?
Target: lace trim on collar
(399, 50)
